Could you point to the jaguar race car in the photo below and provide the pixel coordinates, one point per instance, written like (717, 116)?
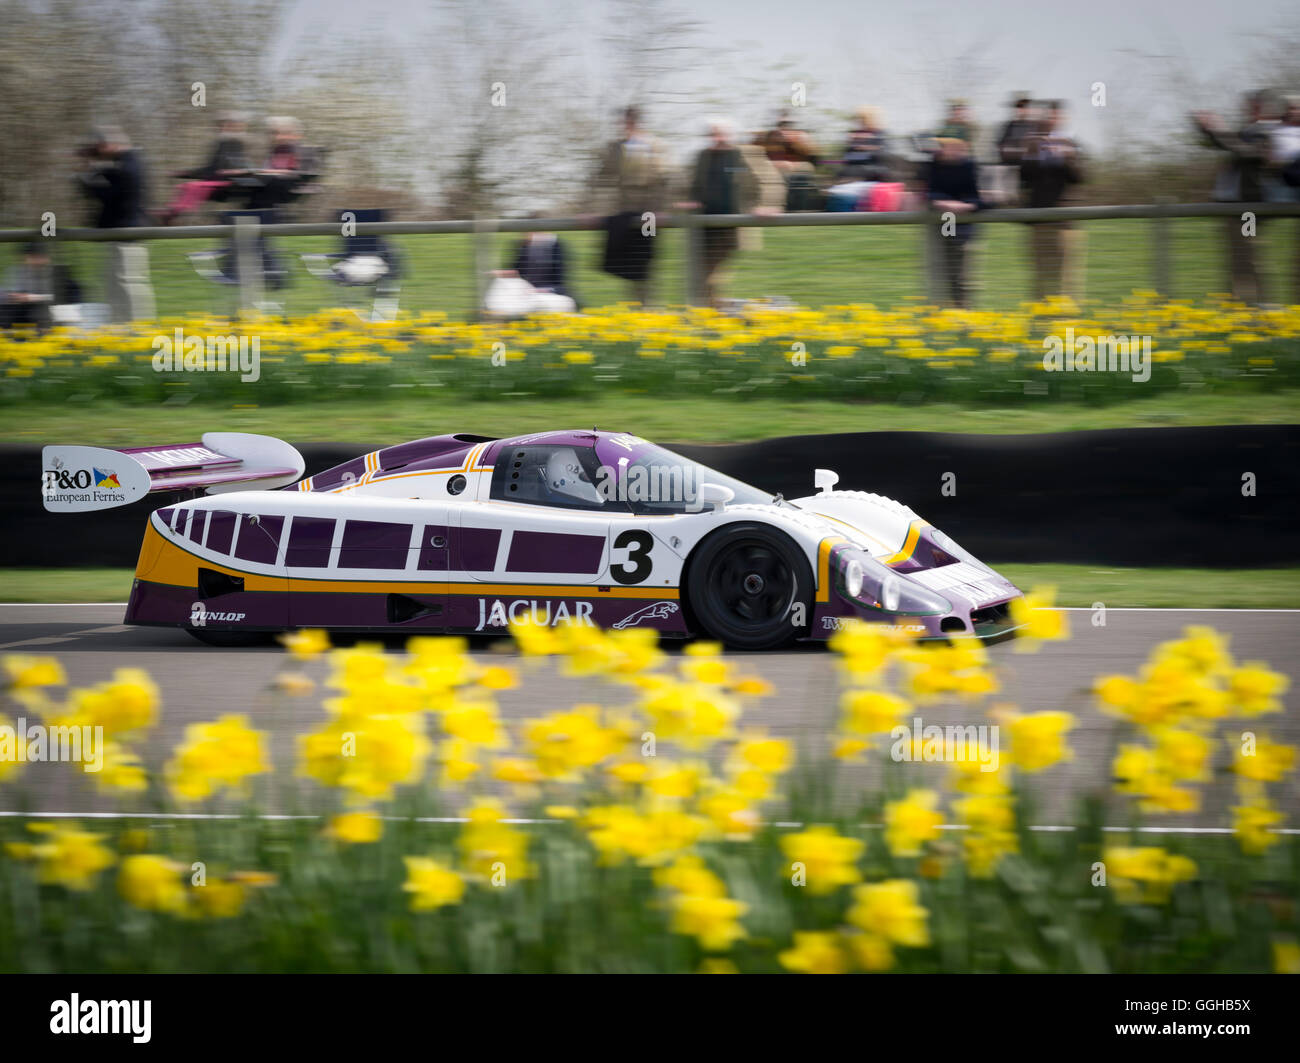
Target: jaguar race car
(467, 533)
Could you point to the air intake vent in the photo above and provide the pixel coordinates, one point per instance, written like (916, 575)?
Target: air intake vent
(213, 584)
(402, 610)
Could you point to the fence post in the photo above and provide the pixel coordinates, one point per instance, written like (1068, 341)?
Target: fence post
(248, 260)
(1161, 260)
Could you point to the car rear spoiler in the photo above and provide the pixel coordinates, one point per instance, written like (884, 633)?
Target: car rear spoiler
(76, 479)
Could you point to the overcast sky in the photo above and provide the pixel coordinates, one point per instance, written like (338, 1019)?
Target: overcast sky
(1157, 58)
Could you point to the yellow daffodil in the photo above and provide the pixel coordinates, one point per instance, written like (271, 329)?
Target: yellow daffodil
(1037, 620)
(827, 860)
(431, 884)
(356, 828)
(911, 822)
(815, 952)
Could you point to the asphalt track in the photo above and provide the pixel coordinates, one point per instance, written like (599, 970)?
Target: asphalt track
(200, 683)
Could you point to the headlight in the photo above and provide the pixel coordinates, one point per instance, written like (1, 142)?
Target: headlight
(870, 583)
(853, 575)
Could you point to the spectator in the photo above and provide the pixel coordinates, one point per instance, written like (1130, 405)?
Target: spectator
(33, 286)
(1017, 131)
(866, 155)
(769, 188)
(117, 185)
(539, 262)
(212, 180)
(1241, 179)
(951, 186)
(1286, 157)
(116, 181)
(791, 151)
(1050, 165)
(958, 125)
(631, 183)
(722, 181)
(1285, 151)
(281, 179)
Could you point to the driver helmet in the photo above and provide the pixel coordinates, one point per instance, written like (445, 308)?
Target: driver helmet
(565, 476)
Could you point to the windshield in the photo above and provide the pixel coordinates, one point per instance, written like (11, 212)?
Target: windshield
(652, 480)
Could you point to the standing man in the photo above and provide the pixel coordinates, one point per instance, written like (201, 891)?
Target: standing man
(951, 187)
(1049, 166)
(724, 181)
(958, 124)
(631, 191)
(1016, 132)
(117, 185)
(1241, 180)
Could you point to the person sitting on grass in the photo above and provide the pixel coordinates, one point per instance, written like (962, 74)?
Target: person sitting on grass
(34, 285)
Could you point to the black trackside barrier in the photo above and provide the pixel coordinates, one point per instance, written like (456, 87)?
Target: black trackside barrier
(1161, 497)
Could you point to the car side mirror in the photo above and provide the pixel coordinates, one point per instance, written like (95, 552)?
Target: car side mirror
(825, 480)
(715, 496)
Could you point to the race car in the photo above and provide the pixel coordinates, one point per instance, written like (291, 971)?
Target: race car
(467, 533)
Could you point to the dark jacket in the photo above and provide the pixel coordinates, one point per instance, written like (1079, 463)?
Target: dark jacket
(714, 184)
(1240, 179)
(1045, 174)
(227, 154)
(954, 180)
(120, 190)
(1011, 142)
(546, 269)
(866, 157)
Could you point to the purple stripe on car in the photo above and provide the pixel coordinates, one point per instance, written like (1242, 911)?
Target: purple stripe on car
(555, 552)
(477, 548)
(310, 539)
(374, 544)
(259, 539)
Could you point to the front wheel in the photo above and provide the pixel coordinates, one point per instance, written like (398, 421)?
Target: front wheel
(749, 586)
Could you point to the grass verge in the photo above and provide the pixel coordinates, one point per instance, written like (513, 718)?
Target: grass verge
(684, 419)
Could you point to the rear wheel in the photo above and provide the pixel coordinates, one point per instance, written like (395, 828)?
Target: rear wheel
(749, 586)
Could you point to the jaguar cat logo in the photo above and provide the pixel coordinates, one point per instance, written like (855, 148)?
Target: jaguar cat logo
(657, 611)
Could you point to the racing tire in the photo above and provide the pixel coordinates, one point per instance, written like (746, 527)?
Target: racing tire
(743, 585)
(231, 639)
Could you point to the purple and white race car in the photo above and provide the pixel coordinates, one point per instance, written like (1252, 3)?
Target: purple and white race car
(466, 533)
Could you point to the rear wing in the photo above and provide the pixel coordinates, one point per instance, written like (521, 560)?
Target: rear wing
(76, 479)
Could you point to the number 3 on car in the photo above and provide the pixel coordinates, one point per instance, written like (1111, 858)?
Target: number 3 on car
(637, 565)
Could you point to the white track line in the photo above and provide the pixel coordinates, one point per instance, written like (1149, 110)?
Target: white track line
(784, 825)
(54, 605)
